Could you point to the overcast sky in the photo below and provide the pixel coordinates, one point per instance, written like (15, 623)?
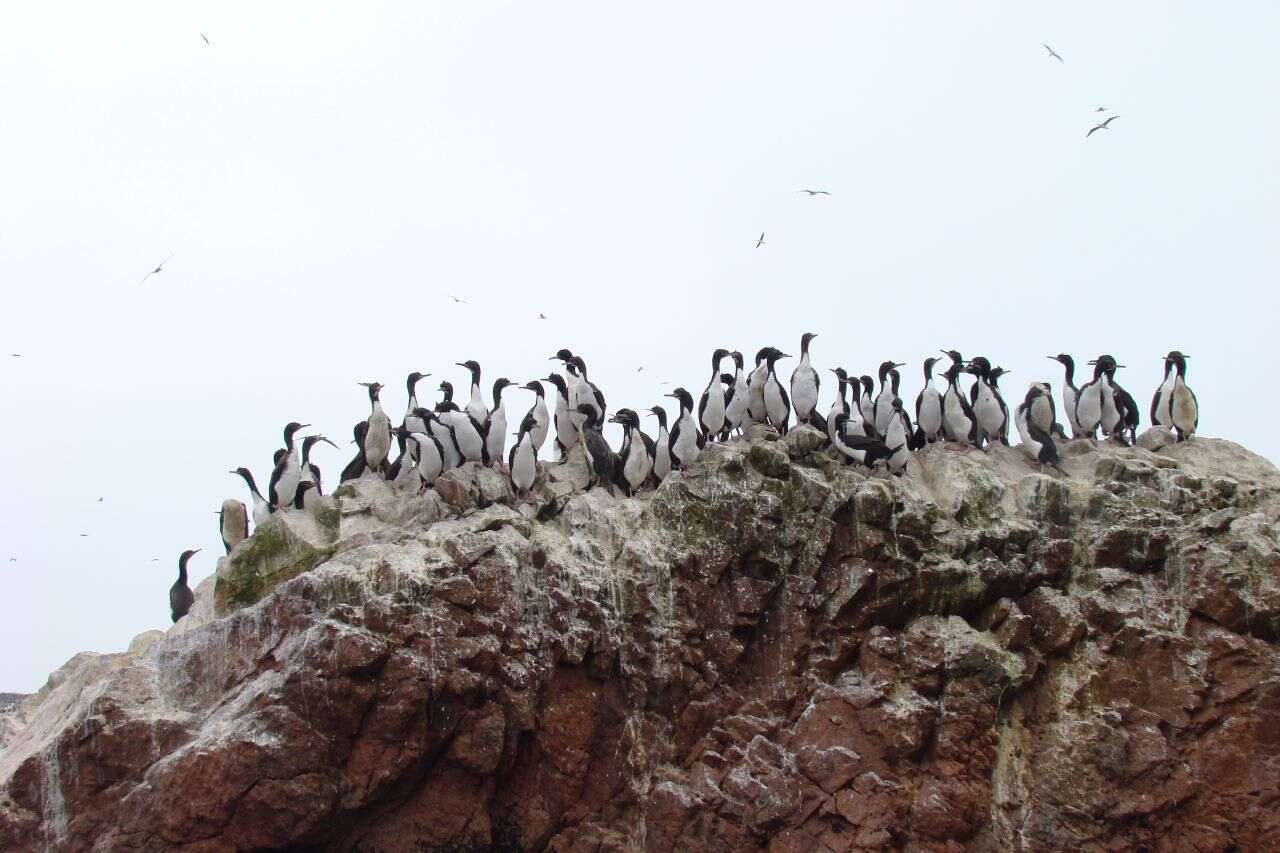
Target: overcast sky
(324, 174)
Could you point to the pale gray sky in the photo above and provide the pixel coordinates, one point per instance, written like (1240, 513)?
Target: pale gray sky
(325, 173)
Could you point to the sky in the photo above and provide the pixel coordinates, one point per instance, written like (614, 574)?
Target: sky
(325, 176)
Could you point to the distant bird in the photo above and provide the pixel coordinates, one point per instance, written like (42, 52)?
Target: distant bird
(180, 595)
(377, 438)
(1051, 53)
(542, 316)
(760, 242)
(1102, 126)
(205, 37)
(1174, 403)
(1100, 110)
(456, 299)
(812, 193)
(639, 370)
(15, 355)
(600, 457)
(99, 500)
(13, 559)
(159, 268)
(85, 535)
(354, 468)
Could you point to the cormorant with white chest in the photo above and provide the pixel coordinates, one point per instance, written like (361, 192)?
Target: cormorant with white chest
(1070, 393)
(377, 439)
(711, 408)
(357, 465)
(310, 470)
(538, 411)
(523, 461)
(566, 429)
(958, 420)
(686, 441)
(883, 408)
(635, 459)
(411, 422)
(475, 406)
(468, 433)
(928, 409)
(1174, 404)
(261, 506)
(736, 399)
(1029, 419)
(777, 405)
(661, 446)
(988, 406)
(495, 426)
(805, 385)
(283, 487)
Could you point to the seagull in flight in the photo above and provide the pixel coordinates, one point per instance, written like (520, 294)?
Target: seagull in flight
(456, 299)
(159, 268)
(541, 316)
(1100, 110)
(639, 370)
(206, 39)
(812, 193)
(1051, 53)
(1102, 126)
(15, 355)
(86, 535)
(760, 242)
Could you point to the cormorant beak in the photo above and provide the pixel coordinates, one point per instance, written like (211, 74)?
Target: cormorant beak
(304, 426)
(328, 442)
(901, 364)
(1093, 361)
(196, 551)
(1052, 357)
(460, 364)
(1119, 366)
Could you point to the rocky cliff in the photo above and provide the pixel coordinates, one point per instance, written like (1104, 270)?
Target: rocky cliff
(772, 652)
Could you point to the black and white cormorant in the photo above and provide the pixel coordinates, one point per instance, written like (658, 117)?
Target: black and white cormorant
(411, 422)
(566, 429)
(1174, 404)
(1125, 427)
(928, 409)
(777, 405)
(600, 458)
(495, 426)
(1028, 419)
(538, 411)
(756, 412)
(468, 433)
(443, 433)
(233, 523)
(310, 470)
(305, 488)
(686, 441)
(883, 407)
(475, 405)
(661, 445)
(523, 460)
(959, 423)
(635, 459)
(712, 405)
(804, 387)
(357, 465)
(261, 506)
(1070, 393)
(865, 393)
(377, 439)
(431, 452)
(180, 595)
(898, 437)
(840, 405)
(283, 487)
(736, 398)
(988, 406)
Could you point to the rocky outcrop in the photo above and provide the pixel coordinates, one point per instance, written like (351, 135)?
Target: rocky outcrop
(772, 652)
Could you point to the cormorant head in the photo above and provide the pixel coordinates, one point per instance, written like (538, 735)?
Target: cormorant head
(426, 415)
(685, 398)
(1063, 359)
(661, 414)
(527, 425)
(841, 375)
(580, 364)
(868, 384)
(762, 354)
(737, 359)
(774, 355)
(558, 381)
(248, 477)
(310, 441)
(290, 429)
(995, 374)
(804, 340)
(535, 386)
(474, 367)
(928, 368)
(562, 355)
(447, 389)
(186, 555)
(360, 430)
(498, 385)
(414, 378)
(885, 367)
(1179, 360)
(590, 412)
(982, 365)
(956, 357)
(718, 356)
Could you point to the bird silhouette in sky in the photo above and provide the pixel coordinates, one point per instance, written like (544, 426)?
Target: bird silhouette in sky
(760, 242)
(1051, 53)
(1102, 126)
(456, 299)
(159, 268)
(812, 193)
(206, 39)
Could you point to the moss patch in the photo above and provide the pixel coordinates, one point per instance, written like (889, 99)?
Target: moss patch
(268, 558)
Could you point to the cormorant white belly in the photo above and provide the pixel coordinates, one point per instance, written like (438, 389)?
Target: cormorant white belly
(662, 446)
(711, 408)
(635, 462)
(541, 417)
(475, 406)
(495, 427)
(377, 439)
(283, 487)
(805, 384)
(777, 405)
(686, 441)
(261, 506)
(736, 399)
(523, 461)
(928, 408)
(233, 523)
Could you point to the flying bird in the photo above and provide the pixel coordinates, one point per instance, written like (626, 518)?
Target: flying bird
(1102, 126)
(812, 193)
(86, 535)
(1100, 110)
(456, 299)
(760, 242)
(639, 370)
(205, 37)
(159, 268)
(541, 316)
(1051, 53)
(15, 355)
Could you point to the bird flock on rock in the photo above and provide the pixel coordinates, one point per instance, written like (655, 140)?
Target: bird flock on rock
(868, 425)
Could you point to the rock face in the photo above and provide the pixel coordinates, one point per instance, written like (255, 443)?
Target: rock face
(772, 652)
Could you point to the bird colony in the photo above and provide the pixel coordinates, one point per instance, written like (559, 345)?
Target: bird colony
(868, 424)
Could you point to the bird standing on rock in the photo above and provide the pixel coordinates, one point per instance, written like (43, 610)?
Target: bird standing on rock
(261, 506)
(686, 441)
(805, 385)
(356, 466)
(233, 523)
(928, 409)
(635, 459)
(283, 487)
(777, 405)
(538, 411)
(523, 461)
(495, 425)
(736, 398)
(662, 446)
(711, 408)
(1070, 393)
(600, 458)
(180, 596)
(377, 439)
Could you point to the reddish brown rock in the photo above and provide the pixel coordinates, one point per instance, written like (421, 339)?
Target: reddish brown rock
(772, 653)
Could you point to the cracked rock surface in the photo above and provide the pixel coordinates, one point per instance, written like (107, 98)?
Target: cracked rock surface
(770, 653)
